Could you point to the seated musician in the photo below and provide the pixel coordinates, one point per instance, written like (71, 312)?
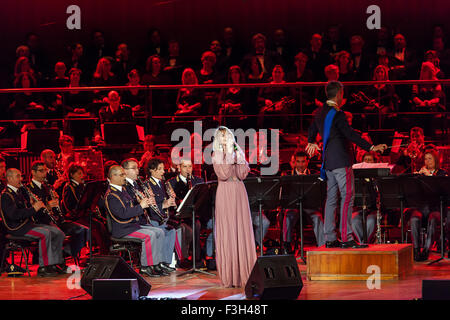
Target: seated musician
(189, 101)
(411, 157)
(125, 217)
(115, 111)
(163, 201)
(71, 196)
(63, 160)
(149, 151)
(291, 216)
(232, 101)
(274, 100)
(181, 184)
(136, 191)
(428, 215)
(38, 186)
(18, 212)
(371, 215)
(49, 159)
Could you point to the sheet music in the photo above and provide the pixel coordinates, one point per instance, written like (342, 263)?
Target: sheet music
(182, 202)
(364, 165)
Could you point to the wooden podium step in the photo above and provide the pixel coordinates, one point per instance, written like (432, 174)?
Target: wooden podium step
(394, 260)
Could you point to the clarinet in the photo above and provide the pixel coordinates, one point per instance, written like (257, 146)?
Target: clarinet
(35, 198)
(172, 222)
(149, 194)
(56, 209)
(378, 234)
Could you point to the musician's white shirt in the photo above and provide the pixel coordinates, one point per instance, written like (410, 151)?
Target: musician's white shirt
(116, 186)
(130, 181)
(183, 178)
(37, 183)
(13, 188)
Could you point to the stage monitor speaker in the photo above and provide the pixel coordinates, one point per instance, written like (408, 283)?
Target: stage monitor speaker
(436, 289)
(274, 278)
(111, 267)
(115, 289)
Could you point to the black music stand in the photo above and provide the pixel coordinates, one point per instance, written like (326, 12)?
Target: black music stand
(393, 196)
(89, 199)
(192, 201)
(264, 192)
(298, 192)
(364, 177)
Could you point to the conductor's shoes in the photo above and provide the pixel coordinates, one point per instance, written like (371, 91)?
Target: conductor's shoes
(353, 244)
(61, 268)
(47, 271)
(333, 244)
(160, 270)
(149, 271)
(166, 267)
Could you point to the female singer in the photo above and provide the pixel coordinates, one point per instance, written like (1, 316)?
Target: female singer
(235, 243)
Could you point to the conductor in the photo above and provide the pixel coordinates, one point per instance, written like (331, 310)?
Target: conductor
(337, 159)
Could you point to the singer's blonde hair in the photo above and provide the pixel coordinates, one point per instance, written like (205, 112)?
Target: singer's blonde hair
(230, 140)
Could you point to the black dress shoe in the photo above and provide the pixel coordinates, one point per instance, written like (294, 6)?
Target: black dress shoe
(353, 244)
(165, 266)
(149, 271)
(160, 270)
(333, 244)
(61, 268)
(47, 271)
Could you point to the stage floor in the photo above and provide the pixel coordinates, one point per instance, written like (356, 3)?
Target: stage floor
(205, 287)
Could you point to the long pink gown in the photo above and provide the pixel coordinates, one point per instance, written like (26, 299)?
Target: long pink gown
(235, 243)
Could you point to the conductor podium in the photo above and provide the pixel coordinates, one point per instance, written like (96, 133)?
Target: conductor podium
(393, 260)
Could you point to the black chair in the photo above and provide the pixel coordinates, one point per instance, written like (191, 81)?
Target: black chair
(120, 245)
(17, 243)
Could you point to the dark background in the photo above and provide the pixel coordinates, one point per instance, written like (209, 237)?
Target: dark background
(196, 22)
